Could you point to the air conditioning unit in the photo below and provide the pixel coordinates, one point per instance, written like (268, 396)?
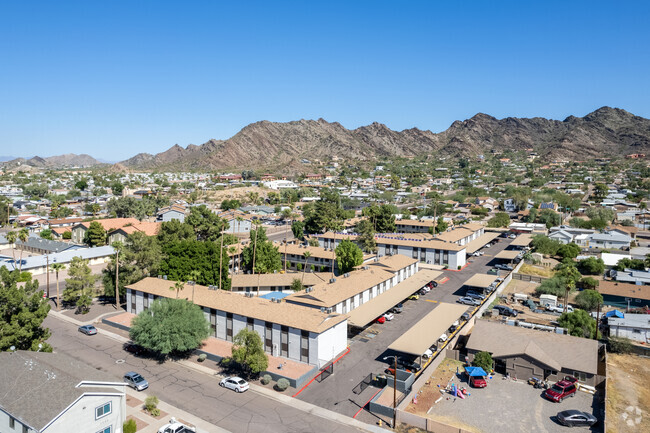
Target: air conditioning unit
(309, 289)
(164, 277)
(322, 309)
(332, 280)
(347, 274)
(328, 310)
(160, 277)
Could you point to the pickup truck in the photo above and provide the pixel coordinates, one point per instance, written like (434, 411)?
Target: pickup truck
(560, 309)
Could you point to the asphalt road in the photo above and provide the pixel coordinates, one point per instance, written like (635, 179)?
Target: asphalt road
(187, 389)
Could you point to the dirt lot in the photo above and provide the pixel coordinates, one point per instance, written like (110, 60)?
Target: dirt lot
(430, 392)
(628, 396)
(237, 193)
(540, 271)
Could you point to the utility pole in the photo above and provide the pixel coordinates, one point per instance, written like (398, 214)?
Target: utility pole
(47, 292)
(394, 389)
(597, 321)
(117, 273)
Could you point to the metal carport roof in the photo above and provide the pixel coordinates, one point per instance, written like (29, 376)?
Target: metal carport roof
(507, 255)
(426, 332)
(522, 240)
(480, 242)
(377, 306)
(480, 280)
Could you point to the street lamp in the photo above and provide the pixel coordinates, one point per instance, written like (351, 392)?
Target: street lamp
(394, 389)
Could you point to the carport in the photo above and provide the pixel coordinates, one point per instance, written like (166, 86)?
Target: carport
(522, 240)
(480, 242)
(426, 332)
(366, 313)
(507, 255)
(480, 281)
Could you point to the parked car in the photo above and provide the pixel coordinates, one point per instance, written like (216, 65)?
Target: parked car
(421, 292)
(559, 308)
(572, 418)
(478, 253)
(408, 365)
(475, 295)
(560, 391)
(465, 316)
(414, 297)
(235, 383)
(397, 308)
(175, 427)
(504, 310)
(388, 316)
(134, 349)
(503, 267)
(136, 381)
(468, 301)
(88, 329)
(513, 236)
(477, 382)
(454, 326)
(381, 319)
(442, 338)
(432, 284)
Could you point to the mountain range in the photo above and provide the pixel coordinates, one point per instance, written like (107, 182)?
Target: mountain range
(606, 131)
(273, 145)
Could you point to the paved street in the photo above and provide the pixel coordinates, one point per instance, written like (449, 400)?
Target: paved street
(365, 357)
(189, 390)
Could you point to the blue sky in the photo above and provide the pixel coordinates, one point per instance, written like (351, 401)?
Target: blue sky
(113, 79)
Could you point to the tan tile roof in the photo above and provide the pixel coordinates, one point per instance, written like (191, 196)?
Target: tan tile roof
(111, 223)
(279, 279)
(318, 252)
(392, 263)
(455, 235)
(282, 313)
(473, 226)
(415, 223)
(566, 351)
(624, 289)
(148, 228)
(65, 221)
(407, 240)
(329, 294)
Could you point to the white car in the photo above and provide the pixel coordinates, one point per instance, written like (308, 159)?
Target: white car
(176, 427)
(235, 383)
(443, 338)
(389, 316)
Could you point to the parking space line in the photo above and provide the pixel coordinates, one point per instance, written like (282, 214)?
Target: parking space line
(429, 300)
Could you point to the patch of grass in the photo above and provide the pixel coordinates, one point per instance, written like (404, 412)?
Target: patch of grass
(538, 271)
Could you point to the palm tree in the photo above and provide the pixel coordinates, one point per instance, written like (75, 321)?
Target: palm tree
(194, 276)
(23, 235)
(11, 238)
(118, 247)
(307, 255)
(56, 267)
(223, 225)
(178, 286)
(231, 251)
(257, 229)
(239, 219)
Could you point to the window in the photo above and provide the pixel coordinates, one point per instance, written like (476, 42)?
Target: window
(580, 375)
(12, 422)
(249, 323)
(284, 341)
(304, 346)
(636, 331)
(268, 337)
(106, 430)
(213, 321)
(228, 326)
(103, 410)
(145, 301)
(26, 429)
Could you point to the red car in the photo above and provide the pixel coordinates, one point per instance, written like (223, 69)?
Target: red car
(560, 391)
(477, 382)
(381, 319)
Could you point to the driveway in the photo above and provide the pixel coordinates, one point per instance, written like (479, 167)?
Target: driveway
(508, 406)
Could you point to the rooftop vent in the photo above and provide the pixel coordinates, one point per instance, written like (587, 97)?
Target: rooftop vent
(332, 280)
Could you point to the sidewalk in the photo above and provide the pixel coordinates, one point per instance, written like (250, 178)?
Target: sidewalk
(269, 393)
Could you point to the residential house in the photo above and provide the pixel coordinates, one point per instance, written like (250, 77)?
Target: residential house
(52, 392)
(527, 228)
(561, 236)
(277, 282)
(169, 213)
(608, 240)
(39, 264)
(320, 259)
(488, 203)
(238, 222)
(110, 224)
(38, 245)
(631, 276)
(414, 226)
(636, 327)
(550, 205)
(287, 330)
(624, 295)
(525, 353)
(121, 234)
(509, 205)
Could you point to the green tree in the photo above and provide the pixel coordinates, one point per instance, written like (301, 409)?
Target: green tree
(117, 188)
(600, 191)
(626, 263)
(170, 326)
(579, 324)
(589, 300)
(298, 229)
(95, 235)
(348, 256)
(549, 217)
(57, 267)
(366, 237)
(79, 284)
(206, 224)
(22, 311)
(307, 255)
(545, 245)
(589, 283)
(248, 351)
(296, 285)
(46, 234)
(501, 219)
(181, 258)
(266, 256)
(569, 250)
(382, 217)
(81, 185)
(441, 225)
(483, 360)
(591, 266)
(174, 231)
(230, 204)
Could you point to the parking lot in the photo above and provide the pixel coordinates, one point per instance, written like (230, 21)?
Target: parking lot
(368, 348)
(509, 406)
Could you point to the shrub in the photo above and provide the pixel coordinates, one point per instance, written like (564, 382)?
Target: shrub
(459, 266)
(151, 405)
(619, 345)
(282, 384)
(202, 357)
(130, 426)
(266, 379)
(299, 266)
(445, 267)
(225, 362)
